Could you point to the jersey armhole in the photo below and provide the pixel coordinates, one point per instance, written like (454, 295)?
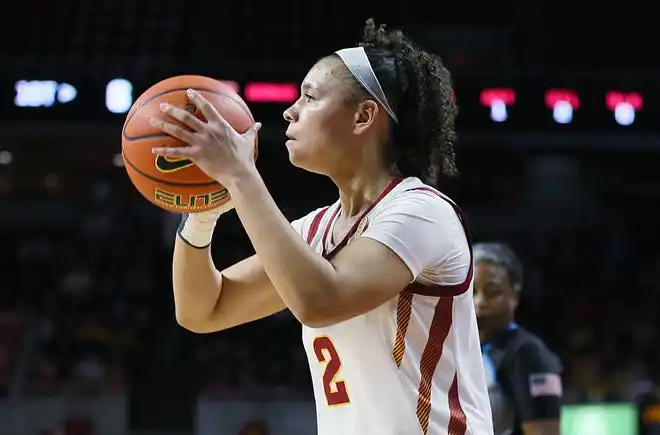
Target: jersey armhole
(451, 290)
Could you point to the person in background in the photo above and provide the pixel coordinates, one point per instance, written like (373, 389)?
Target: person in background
(523, 375)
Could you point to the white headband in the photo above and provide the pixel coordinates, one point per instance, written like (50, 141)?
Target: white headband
(358, 64)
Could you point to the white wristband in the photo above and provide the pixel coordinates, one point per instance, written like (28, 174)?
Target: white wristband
(196, 229)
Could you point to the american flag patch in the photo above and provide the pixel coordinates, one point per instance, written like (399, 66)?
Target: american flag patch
(545, 384)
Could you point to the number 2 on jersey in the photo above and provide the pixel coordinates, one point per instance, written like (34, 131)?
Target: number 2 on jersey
(335, 390)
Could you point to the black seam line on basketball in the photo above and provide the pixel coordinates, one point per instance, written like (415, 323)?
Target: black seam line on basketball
(169, 183)
(169, 91)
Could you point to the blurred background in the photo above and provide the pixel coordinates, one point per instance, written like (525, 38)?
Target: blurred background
(559, 153)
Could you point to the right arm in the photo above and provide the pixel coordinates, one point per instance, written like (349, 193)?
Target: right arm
(207, 300)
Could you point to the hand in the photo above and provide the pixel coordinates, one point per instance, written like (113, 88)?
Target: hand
(214, 145)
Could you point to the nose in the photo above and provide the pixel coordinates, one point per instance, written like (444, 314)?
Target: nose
(291, 114)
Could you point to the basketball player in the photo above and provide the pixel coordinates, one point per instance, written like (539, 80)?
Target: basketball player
(381, 280)
(523, 375)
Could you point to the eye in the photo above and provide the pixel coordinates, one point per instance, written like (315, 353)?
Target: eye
(307, 98)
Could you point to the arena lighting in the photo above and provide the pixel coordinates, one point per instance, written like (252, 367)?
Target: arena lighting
(118, 95)
(562, 102)
(262, 92)
(498, 99)
(624, 106)
(42, 93)
(110, 99)
(232, 84)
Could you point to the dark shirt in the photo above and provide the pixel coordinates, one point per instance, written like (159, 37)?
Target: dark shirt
(523, 378)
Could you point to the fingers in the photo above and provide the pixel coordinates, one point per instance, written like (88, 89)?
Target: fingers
(179, 152)
(205, 107)
(173, 130)
(253, 130)
(183, 115)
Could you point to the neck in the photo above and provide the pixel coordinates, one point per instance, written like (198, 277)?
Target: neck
(359, 192)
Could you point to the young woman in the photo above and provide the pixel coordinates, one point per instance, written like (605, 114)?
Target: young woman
(381, 280)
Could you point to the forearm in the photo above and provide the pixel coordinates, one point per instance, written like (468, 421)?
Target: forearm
(304, 280)
(196, 283)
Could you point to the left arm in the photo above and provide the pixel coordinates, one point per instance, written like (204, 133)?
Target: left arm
(537, 390)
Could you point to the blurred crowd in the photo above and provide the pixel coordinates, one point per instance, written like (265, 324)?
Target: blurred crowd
(78, 300)
(85, 289)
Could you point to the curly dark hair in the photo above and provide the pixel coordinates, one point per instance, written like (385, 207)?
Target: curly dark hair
(419, 89)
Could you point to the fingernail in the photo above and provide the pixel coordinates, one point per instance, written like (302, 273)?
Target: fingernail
(190, 93)
(164, 106)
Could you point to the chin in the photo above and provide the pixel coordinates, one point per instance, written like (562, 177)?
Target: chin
(301, 158)
(296, 157)
(305, 165)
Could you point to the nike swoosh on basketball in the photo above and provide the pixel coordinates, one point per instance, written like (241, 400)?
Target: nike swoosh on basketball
(164, 164)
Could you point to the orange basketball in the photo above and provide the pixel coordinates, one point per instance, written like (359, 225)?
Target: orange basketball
(177, 185)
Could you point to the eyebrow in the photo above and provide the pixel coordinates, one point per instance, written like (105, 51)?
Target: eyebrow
(306, 86)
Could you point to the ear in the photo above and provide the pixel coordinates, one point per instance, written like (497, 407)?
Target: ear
(514, 301)
(365, 116)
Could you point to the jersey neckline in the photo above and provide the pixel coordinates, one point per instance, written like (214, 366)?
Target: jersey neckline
(344, 241)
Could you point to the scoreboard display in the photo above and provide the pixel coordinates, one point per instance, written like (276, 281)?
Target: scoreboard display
(522, 103)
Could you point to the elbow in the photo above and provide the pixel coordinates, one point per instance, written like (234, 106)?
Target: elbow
(192, 323)
(187, 323)
(314, 315)
(314, 321)
(316, 307)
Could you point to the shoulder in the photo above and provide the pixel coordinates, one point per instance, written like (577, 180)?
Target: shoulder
(424, 228)
(532, 353)
(418, 200)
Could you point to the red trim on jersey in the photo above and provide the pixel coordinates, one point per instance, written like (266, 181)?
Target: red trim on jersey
(328, 255)
(324, 240)
(446, 290)
(316, 223)
(403, 313)
(457, 418)
(431, 355)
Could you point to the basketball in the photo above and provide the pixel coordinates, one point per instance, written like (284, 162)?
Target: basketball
(177, 185)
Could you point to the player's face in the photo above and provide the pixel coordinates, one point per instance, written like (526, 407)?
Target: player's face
(494, 297)
(321, 121)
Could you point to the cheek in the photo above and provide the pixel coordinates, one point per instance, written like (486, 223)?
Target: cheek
(321, 136)
(327, 119)
(494, 304)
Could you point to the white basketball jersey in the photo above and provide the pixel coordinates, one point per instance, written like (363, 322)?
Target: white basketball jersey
(413, 365)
